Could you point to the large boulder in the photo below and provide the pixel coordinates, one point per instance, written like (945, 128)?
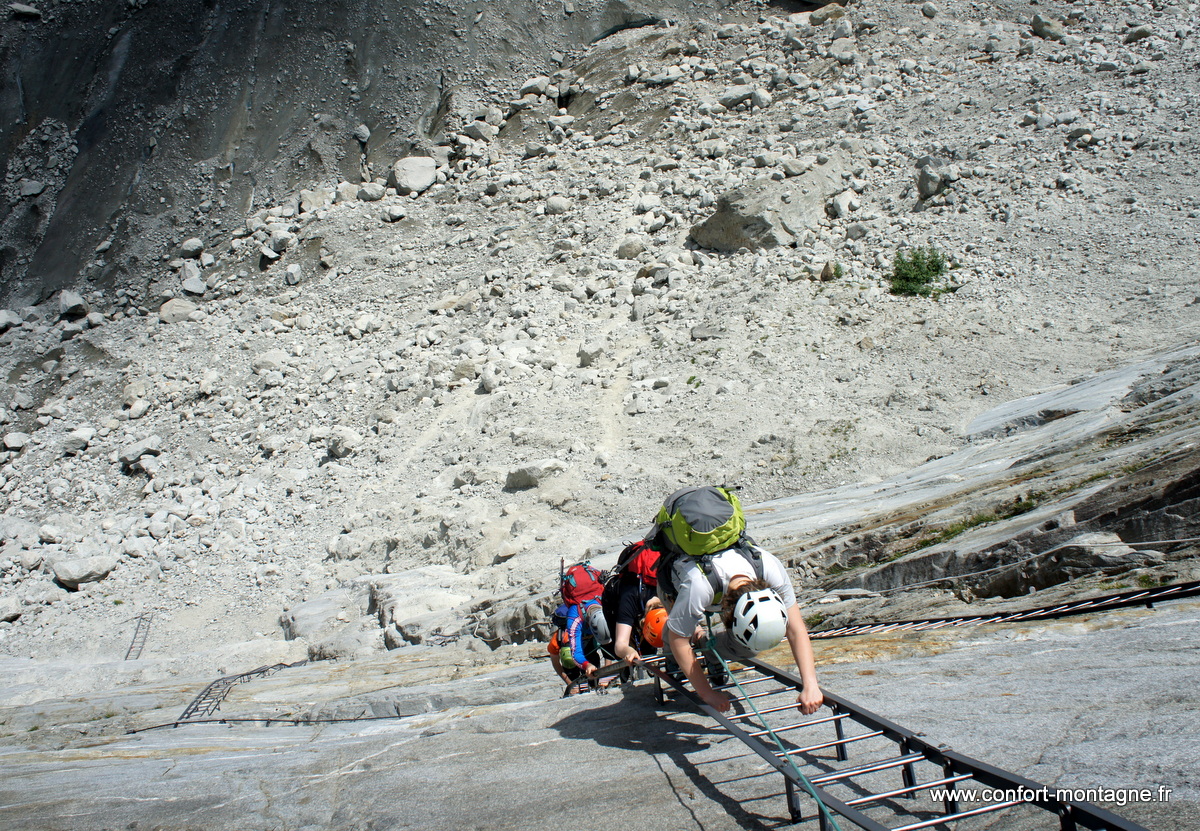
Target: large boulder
(323, 614)
(414, 174)
(767, 214)
(10, 608)
(71, 305)
(176, 310)
(71, 573)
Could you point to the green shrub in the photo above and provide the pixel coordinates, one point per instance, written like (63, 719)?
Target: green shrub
(915, 273)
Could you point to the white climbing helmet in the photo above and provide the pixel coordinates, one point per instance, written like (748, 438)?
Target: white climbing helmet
(759, 620)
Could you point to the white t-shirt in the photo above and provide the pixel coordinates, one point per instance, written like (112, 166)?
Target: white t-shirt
(695, 592)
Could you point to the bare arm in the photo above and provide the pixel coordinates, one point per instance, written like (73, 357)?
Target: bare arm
(685, 656)
(558, 667)
(621, 644)
(811, 698)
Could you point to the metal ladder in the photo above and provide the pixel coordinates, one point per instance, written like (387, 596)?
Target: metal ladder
(821, 745)
(210, 698)
(139, 636)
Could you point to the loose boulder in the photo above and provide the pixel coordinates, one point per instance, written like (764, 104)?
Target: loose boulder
(532, 475)
(10, 609)
(176, 310)
(72, 573)
(414, 174)
(768, 214)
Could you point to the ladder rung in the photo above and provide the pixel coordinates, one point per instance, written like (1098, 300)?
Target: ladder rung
(875, 797)
(800, 724)
(778, 709)
(766, 694)
(873, 734)
(746, 683)
(869, 767)
(986, 809)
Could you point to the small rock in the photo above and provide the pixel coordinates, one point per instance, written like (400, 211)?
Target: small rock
(176, 310)
(1138, 33)
(72, 305)
(195, 286)
(532, 475)
(362, 133)
(8, 320)
(371, 192)
(394, 213)
(22, 10)
(826, 13)
(78, 440)
(557, 205)
(293, 275)
(10, 609)
(761, 99)
(191, 249)
(1048, 28)
(480, 131)
(735, 95)
(842, 204)
(16, 441)
(630, 248)
(316, 199)
(342, 442)
(929, 10)
(31, 187)
(929, 182)
(149, 446)
(270, 361)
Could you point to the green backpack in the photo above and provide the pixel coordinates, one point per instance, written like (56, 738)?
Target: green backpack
(701, 520)
(694, 524)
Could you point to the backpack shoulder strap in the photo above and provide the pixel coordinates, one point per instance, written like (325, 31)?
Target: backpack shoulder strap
(749, 549)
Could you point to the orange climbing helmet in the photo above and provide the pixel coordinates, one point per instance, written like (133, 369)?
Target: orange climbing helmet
(652, 626)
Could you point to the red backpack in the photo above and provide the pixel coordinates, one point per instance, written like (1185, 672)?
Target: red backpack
(640, 559)
(582, 583)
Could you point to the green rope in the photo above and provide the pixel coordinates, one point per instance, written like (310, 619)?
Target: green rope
(711, 647)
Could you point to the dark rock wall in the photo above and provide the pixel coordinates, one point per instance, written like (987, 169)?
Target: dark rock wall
(148, 122)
